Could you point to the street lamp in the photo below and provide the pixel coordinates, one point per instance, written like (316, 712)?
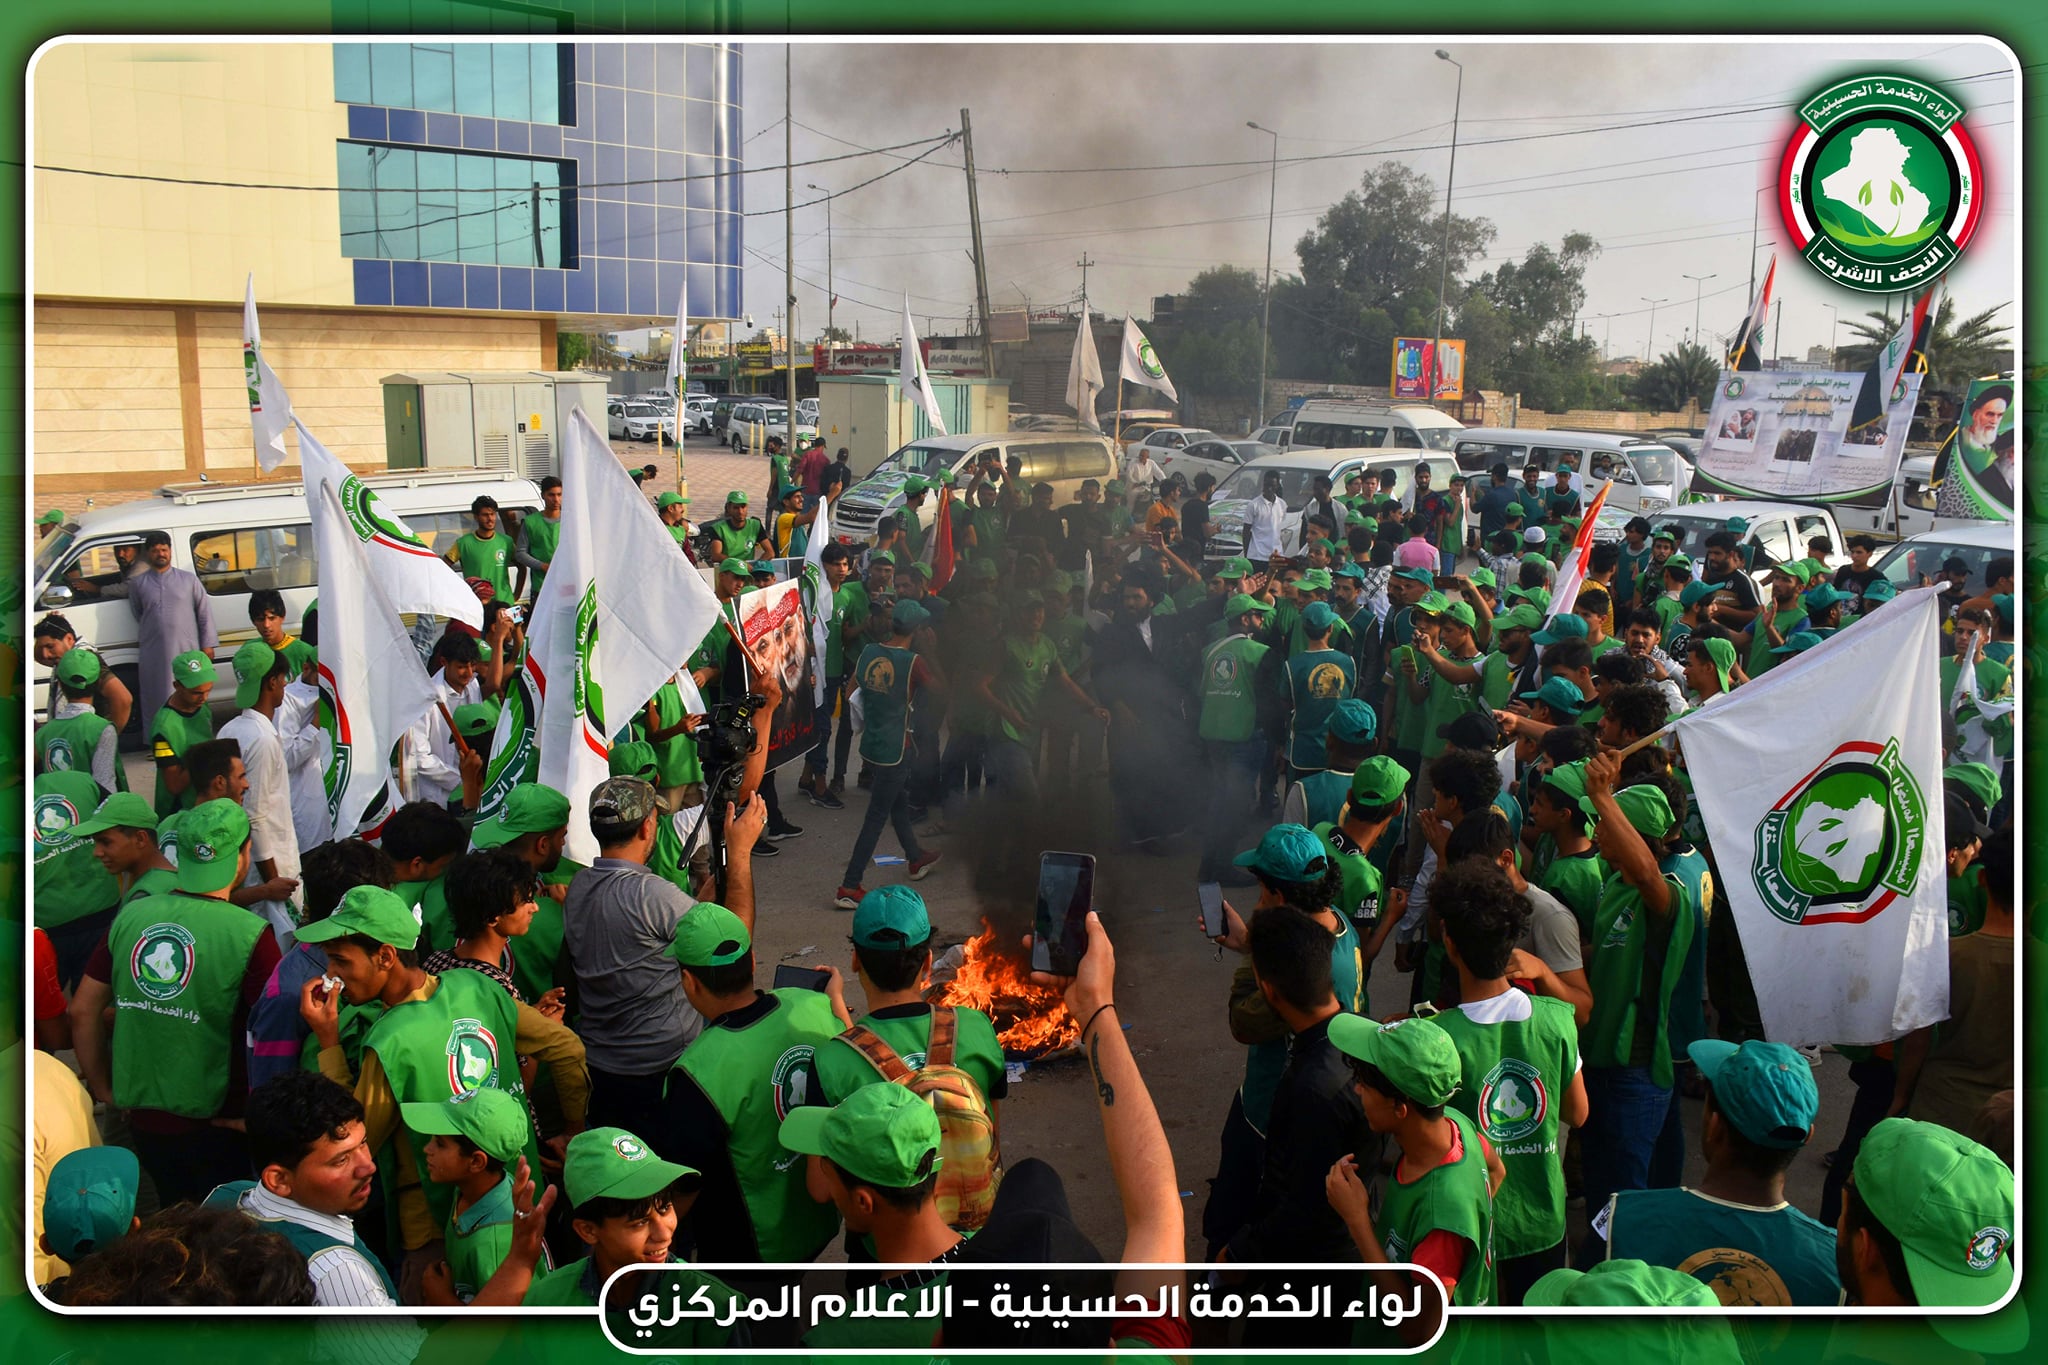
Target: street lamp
(1834, 331)
(830, 299)
(1266, 320)
(1444, 263)
(1650, 346)
(1698, 283)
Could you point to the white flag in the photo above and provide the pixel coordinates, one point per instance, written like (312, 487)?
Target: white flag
(818, 592)
(270, 407)
(617, 617)
(1819, 786)
(1084, 376)
(678, 353)
(411, 574)
(917, 385)
(1140, 365)
(373, 687)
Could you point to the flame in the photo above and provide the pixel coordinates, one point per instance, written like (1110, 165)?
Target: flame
(1030, 1020)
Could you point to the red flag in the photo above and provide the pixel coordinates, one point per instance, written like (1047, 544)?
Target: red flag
(942, 544)
(1573, 573)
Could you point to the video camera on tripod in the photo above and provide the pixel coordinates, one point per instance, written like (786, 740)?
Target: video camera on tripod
(725, 737)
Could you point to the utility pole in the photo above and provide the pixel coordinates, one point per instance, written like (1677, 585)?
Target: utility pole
(831, 298)
(1650, 346)
(1084, 263)
(1266, 312)
(1698, 283)
(988, 345)
(1777, 330)
(536, 223)
(788, 254)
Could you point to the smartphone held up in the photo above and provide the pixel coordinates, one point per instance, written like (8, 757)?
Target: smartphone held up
(1066, 893)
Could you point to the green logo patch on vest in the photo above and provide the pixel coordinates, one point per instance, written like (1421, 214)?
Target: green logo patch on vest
(792, 1077)
(472, 1056)
(162, 961)
(54, 816)
(879, 675)
(57, 754)
(1513, 1101)
(1846, 841)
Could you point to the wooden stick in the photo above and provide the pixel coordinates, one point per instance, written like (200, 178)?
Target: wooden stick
(460, 742)
(1645, 742)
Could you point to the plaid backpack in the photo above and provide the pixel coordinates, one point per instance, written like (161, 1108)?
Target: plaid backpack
(967, 1134)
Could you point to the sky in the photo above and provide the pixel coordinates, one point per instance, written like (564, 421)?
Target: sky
(1656, 149)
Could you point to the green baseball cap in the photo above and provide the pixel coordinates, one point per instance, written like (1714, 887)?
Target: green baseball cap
(1979, 779)
(1432, 602)
(1378, 782)
(1415, 1054)
(610, 1163)
(1414, 575)
(914, 485)
(1318, 617)
(1512, 512)
(1561, 695)
(1287, 853)
(193, 668)
(886, 1135)
(1570, 779)
(1880, 590)
(735, 499)
(89, 1203)
(1825, 596)
(1061, 582)
(710, 936)
(1244, 602)
(1645, 808)
(2001, 603)
(1353, 570)
(891, 917)
(735, 566)
(1461, 612)
(1695, 592)
(1721, 654)
(669, 499)
(1664, 533)
(1353, 722)
(79, 668)
(1237, 566)
(980, 568)
(1563, 626)
(1735, 525)
(370, 911)
(889, 557)
(1949, 1202)
(483, 651)
(210, 839)
(122, 810)
(530, 808)
(634, 758)
(492, 1119)
(1798, 642)
(53, 517)
(1315, 579)
(253, 662)
(475, 719)
(1482, 578)
(1765, 1089)
(1621, 1284)
(1678, 562)
(1521, 616)
(909, 615)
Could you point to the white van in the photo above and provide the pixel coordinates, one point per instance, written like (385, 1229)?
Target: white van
(1649, 476)
(1298, 468)
(236, 538)
(1064, 459)
(1342, 424)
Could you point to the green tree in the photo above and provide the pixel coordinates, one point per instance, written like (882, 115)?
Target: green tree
(1958, 349)
(571, 350)
(1687, 374)
(835, 334)
(1211, 343)
(1517, 322)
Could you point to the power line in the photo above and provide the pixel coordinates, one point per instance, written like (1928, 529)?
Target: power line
(840, 194)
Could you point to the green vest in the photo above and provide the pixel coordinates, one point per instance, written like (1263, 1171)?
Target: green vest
(309, 1242)
(1317, 680)
(1449, 1199)
(457, 1040)
(158, 881)
(1749, 1257)
(536, 952)
(171, 734)
(883, 673)
(1621, 938)
(1447, 701)
(1230, 711)
(738, 541)
(178, 967)
(1516, 1075)
(1323, 795)
(486, 559)
(753, 1076)
(675, 759)
(1576, 882)
(68, 745)
(1362, 884)
(543, 538)
(70, 883)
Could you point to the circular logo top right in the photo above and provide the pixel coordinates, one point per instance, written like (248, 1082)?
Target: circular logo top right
(1880, 186)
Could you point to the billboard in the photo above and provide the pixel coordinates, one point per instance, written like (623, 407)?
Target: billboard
(1411, 364)
(1785, 434)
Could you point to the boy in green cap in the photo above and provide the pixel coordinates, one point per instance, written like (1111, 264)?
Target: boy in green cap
(1709, 668)
(1512, 667)
(1319, 677)
(79, 738)
(1349, 736)
(737, 534)
(183, 721)
(1682, 611)
(752, 1063)
(474, 1139)
(1572, 870)
(123, 834)
(1453, 655)
(438, 1036)
(485, 552)
(888, 674)
(1229, 729)
(1437, 1209)
(182, 969)
(1372, 803)
(1734, 1231)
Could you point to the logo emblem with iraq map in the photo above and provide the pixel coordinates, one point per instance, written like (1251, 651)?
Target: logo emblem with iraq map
(1846, 841)
(1881, 187)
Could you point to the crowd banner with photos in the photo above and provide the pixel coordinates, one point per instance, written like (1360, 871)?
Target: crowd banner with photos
(618, 615)
(1787, 434)
(774, 624)
(1828, 822)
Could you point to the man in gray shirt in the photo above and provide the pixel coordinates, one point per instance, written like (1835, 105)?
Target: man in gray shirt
(618, 921)
(172, 616)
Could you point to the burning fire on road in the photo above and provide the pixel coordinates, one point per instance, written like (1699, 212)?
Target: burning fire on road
(1031, 1021)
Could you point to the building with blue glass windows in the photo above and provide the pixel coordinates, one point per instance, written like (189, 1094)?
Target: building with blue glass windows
(401, 205)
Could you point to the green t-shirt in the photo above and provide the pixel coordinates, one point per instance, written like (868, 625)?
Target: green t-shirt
(1317, 679)
(1576, 880)
(1761, 660)
(298, 654)
(849, 607)
(487, 559)
(1994, 683)
(1230, 711)
(1448, 1198)
(170, 735)
(738, 541)
(1069, 635)
(543, 539)
(437, 922)
(907, 1029)
(1447, 701)
(1362, 885)
(1496, 681)
(1406, 727)
(1026, 666)
(479, 1238)
(675, 758)
(1965, 904)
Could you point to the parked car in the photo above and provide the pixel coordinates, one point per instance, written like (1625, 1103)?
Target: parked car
(615, 417)
(1345, 424)
(753, 423)
(1915, 560)
(1218, 457)
(1649, 476)
(648, 421)
(721, 414)
(1779, 530)
(1229, 507)
(1063, 459)
(697, 414)
(1275, 435)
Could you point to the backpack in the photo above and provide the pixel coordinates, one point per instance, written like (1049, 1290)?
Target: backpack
(967, 1134)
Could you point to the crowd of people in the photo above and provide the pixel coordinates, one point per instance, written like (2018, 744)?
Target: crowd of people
(444, 1064)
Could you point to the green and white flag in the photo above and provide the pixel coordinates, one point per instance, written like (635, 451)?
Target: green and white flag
(619, 614)
(1140, 365)
(270, 407)
(515, 757)
(1819, 786)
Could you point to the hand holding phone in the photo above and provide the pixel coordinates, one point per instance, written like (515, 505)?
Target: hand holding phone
(790, 976)
(1211, 896)
(1066, 893)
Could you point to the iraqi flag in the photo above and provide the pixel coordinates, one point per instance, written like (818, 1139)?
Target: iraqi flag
(619, 614)
(1906, 350)
(1566, 593)
(1746, 352)
(373, 687)
(1819, 785)
(270, 407)
(411, 574)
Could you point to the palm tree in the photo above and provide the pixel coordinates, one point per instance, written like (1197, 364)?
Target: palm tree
(1957, 352)
(1687, 373)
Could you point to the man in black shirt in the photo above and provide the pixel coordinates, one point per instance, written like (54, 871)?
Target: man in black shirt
(1038, 521)
(1086, 525)
(1859, 573)
(1194, 520)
